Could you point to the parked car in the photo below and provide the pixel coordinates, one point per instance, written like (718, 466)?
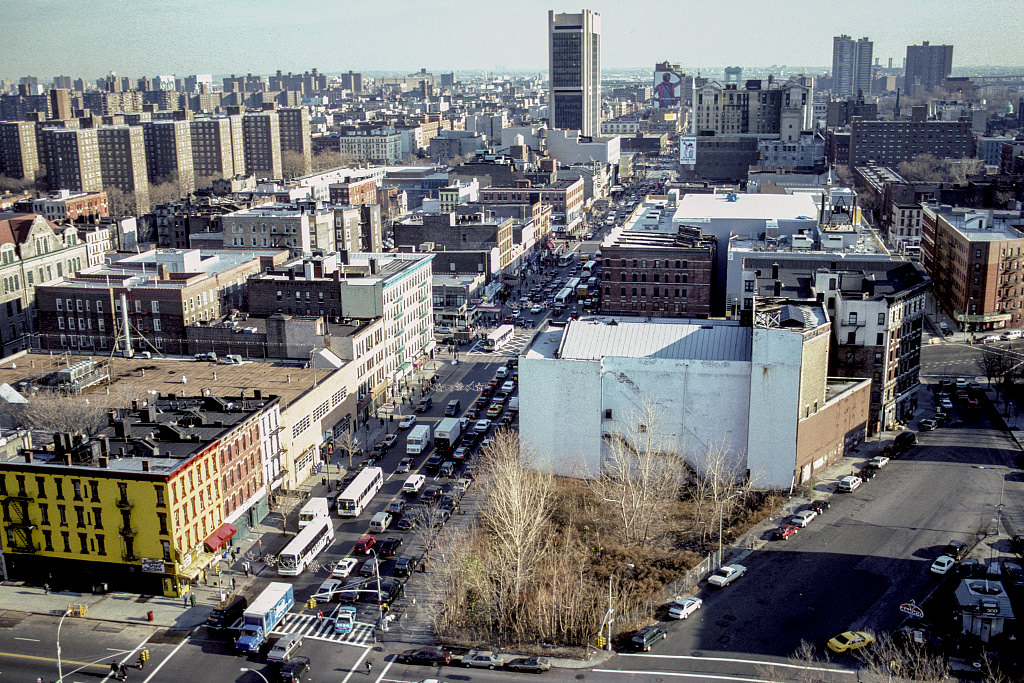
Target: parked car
(343, 568)
(927, 425)
(802, 518)
(784, 532)
(648, 636)
(819, 506)
(956, 549)
(946, 403)
(726, 575)
(532, 664)
(681, 608)
(867, 473)
(481, 659)
(969, 568)
(878, 461)
(388, 441)
(942, 564)
(849, 641)
(848, 484)
(435, 656)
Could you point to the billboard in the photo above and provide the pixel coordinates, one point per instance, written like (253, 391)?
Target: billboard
(688, 150)
(668, 86)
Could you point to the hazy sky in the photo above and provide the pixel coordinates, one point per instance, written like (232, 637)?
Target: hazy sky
(88, 38)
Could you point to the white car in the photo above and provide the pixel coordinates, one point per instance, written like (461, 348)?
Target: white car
(1012, 334)
(943, 564)
(481, 426)
(946, 403)
(684, 607)
(878, 461)
(802, 518)
(536, 309)
(407, 422)
(343, 568)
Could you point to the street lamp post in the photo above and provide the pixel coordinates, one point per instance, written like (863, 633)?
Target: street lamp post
(245, 668)
(608, 643)
(60, 666)
(376, 571)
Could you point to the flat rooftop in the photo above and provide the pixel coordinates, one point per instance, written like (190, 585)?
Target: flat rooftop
(747, 206)
(594, 337)
(137, 377)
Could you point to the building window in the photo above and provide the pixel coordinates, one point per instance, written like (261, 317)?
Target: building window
(66, 537)
(44, 514)
(162, 517)
(160, 497)
(101, 546)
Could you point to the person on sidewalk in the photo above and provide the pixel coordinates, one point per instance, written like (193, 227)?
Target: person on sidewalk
(184, 600)
(192, 598)
(369, 667)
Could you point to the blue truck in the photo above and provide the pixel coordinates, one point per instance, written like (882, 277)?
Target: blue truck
(265, 613)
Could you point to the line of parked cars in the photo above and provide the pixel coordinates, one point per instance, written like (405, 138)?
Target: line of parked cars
(480, 659)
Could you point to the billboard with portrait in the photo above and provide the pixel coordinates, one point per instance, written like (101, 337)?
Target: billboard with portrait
(688, 150)
(668, 87)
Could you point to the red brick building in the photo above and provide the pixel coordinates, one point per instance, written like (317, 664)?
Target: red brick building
(355, 192)
(659, 274)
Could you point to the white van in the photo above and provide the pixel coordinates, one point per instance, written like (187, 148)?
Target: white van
(413, 484)
(380, 522)
(848, 484)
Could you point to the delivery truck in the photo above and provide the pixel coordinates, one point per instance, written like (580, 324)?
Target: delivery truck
(448, 434)
(265, 613)
(418, 440)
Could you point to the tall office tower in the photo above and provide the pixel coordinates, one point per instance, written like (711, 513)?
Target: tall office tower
(574, 58)
(851, 65)
(295, 135)
(927, 66)
(261, 135)
(60, 104)
(169, 152)
(123, 161)
(62, 82)
(19, 154)
(72, 159)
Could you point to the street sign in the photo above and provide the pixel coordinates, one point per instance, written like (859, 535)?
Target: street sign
(912, 610)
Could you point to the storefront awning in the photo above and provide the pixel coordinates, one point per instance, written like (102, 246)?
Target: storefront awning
(219, 537)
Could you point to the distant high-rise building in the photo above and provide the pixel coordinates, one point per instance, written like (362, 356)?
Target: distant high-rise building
(215, 146)
(927, 66)
(60, 104)
(72, 159)
(62, 82)
(352, 81)
(123, 161)
(169, 152)
(851, 65)
(19, 156)
(574, 58)
(261, 136)
(295, 134)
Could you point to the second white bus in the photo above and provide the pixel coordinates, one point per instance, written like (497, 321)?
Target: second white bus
(588, 268)
(357, 495)
(501, 336)
(306, 545)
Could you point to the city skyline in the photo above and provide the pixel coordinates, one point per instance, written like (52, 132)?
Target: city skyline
(163, 37)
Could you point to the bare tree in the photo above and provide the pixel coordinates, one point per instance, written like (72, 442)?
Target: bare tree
(641, 476)
(327, 160)
(714, 485)
(52, 411)
(294, 164)
(889, 657)
(803, 666)
(995, 363)
(121, 203)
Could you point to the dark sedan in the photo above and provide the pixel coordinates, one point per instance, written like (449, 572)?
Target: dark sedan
(532, 664)
(819, 506)
(435, 656)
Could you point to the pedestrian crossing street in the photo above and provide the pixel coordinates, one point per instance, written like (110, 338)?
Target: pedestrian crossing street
(306, 625)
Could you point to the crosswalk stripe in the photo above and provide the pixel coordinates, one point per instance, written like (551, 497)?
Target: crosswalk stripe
(306, 625)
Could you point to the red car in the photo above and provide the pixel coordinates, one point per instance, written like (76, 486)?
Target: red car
(364, 543)
(784, 532)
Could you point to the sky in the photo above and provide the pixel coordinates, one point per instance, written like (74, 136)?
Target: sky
(89, 38)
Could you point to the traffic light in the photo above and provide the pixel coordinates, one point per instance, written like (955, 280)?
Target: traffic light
(601, 641)
(144, 655)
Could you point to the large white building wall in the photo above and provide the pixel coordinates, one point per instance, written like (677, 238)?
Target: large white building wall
(560, 414)
(698, 406)
(774, 406)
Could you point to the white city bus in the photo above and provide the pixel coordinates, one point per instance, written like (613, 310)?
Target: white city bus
(309, 542)
(563, 296)
(566, 259)
(357, 495)
(501, 336)
(588, 268)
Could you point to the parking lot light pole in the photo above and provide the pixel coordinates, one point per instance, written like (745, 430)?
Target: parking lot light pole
(376, 571)
(245, 668)
(608, 643)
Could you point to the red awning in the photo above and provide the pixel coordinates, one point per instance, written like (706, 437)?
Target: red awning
(219, 537)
